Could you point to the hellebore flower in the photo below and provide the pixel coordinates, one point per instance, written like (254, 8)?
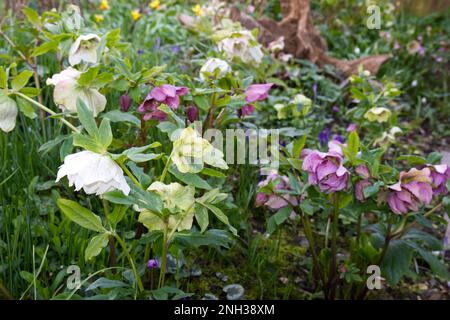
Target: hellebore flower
(191, 151)
(326, 169)
(257, 92)
(8, 113)
(211, 66)
(413, 190)
(414, 47)
(67, 91)
(125, 102)
(276, 45)
(378, 114)
(363, 171)
(84, 49)
(241, 44)
(302, 105)
(275, 201)
(246, 110)
(168, 94)
(177, 199)
(439, 175)
(152, 264)
(359, 189)
(387, 137)
(192, 113)
(94, 173)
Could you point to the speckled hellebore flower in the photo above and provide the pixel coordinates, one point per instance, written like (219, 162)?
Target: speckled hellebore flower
(413, 190)
(242, 44)
(8, 113)
(257, 92)
(84, 49)
(326, 169)
(213, 65)
(190, 152)
(94, 173)
(67, 91)
(378, 114)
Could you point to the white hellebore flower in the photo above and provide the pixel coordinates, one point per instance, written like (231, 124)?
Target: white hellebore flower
(242, 45)
(67, 91)
(387, 137)
(93, 172)
(210, 67)
(191, 151)
(84, 49)
(8, 113)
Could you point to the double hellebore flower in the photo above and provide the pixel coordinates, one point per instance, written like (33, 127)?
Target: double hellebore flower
(212, 66)
(243, 45)
(257, 92)
(67, 91)
(167, 94)
(191, 151)
(439, 175)
(275, 201)
(363, 172)
(94, 173)
(413, 190)
(8, 113)
(84, 49)
(326, 168)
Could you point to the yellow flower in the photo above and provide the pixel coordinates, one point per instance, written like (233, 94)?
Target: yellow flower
(378, 114)
(135, 14)
(98, 18)
(155, 4)
(104, 5)
(197, 9)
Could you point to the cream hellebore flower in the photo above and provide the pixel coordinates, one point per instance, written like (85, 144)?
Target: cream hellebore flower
(243, 45)
(305, 103)
(210, 67)
(191, 151)
(387, 137)
(8, 113)
(378, 114)
(84, 49)
(93, 172)
(179, 200)
(276, 45)
(67, 91)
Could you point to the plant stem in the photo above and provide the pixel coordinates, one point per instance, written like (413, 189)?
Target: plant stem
(166, 168)
(162, 269)
(112, 242)
(332, 282)
(130, 259)
(312, 246)
(129, 174)
(42, 107)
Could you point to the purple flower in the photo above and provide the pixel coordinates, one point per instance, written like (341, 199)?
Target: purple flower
(359, 189)
(413, 190)
(363, 171)
(275, 201)
(257, 92)
(439, 175)
(324, 136)
(175, 49)
(192, 113)
(335, 109)
(246, 110)
(338, 137)
(157, 43)
(326, 169)
(125, 102)
(152, 264)
(314, 88)
(351, 127)
(140, 51)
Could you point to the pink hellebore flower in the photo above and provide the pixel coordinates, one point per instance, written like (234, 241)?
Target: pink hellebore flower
(413, 190)
(275, 201)
(326, 168)
(246, 110)
(168, 94)
(257, 92)
(439, 175)
(359, 189)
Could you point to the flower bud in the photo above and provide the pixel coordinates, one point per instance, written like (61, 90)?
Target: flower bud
(192, 113)
(125, 102)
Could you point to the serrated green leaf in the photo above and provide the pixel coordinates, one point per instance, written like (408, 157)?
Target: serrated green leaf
(201, 215)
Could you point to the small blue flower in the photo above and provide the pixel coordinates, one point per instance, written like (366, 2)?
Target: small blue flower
(324, 136)
(152, 264)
